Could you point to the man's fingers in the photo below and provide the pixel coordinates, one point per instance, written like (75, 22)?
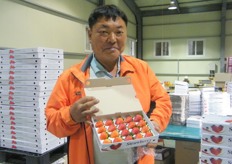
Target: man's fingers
(151, 145)
(87, 103)
(91, 111)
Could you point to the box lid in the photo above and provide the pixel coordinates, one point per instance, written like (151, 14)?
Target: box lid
(116, 95)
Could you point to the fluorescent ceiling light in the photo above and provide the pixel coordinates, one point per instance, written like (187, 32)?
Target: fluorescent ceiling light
(172, 6)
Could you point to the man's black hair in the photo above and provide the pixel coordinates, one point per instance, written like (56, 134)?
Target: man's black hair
(107, 11)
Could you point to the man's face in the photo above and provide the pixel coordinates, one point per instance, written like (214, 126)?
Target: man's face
(108, 39)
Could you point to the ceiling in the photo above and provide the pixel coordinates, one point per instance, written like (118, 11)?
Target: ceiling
(160, 7)
(144, 8)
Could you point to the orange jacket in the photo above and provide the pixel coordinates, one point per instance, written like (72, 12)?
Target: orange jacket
(70, 87)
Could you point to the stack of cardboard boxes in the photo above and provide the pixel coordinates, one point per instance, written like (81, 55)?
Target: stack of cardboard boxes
(27, 77)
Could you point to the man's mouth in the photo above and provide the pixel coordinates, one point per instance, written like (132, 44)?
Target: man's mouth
(111, 48)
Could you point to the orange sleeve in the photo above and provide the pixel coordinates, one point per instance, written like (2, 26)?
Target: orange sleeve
(59, 121)
(163, 110)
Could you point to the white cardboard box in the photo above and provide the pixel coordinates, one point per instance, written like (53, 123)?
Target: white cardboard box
(216, 151)
(117, 99)
(31, 61)
(220, 140)
(32, 72)
(204, 159)
(32, 66)
(215, 124)
(32, 50)
(23, 83)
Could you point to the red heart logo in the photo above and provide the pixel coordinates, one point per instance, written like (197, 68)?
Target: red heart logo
(215, 151)
(217, 129)
(216, 161)
(115, 147)
(216, 139)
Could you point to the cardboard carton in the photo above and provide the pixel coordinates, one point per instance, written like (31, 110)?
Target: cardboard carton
(205, 159)
(213, 139)
(216, 151)
(118, 99)
(221, 79)
(215, 124)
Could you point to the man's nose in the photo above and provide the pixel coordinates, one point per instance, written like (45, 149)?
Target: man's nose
(112, 37)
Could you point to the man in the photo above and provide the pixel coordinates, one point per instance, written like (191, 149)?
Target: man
(68, 109)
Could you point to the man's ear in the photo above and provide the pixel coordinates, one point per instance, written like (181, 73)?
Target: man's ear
(89, 34)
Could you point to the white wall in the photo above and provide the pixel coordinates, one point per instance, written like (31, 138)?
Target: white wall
(50, 23)
(178, 29)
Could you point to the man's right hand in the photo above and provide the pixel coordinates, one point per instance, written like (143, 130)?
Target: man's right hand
(83, 109)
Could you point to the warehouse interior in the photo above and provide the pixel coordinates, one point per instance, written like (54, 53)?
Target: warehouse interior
(193, 40)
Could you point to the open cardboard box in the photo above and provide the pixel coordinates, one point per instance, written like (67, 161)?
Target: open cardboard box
(118, 99)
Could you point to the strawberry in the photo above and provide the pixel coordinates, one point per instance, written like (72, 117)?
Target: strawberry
(128, 138)
(117, 139)
(122, 126)
(119, 120)
(101, 129)
(107, 141)
(138, 136)
(131, 125)
(104, 136)
(114, 134)
(111, 128)
(145, 129)
(135, 130)
(148, 134)
(141, 123)
(125, 132)
(128, 119)
(109, 122)
(99, 124)
(138, 117)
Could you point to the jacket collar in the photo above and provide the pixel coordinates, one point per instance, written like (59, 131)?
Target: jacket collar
(83, 75)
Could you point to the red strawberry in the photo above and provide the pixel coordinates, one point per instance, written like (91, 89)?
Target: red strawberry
(135, 130)
(108, 122)
(121, 126)
(128, 138)
(131, 125)
(128, 119)
(138, 136)
(118, 139)
(119, 120)
(101, 129)
(148, 134)
(125, 132)
(99, 124)
(111, 128)
(141, 123)
(145, 129)
(138, 117)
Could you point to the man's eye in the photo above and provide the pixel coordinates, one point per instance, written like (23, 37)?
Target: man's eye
(103, 32)
(119, 33)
